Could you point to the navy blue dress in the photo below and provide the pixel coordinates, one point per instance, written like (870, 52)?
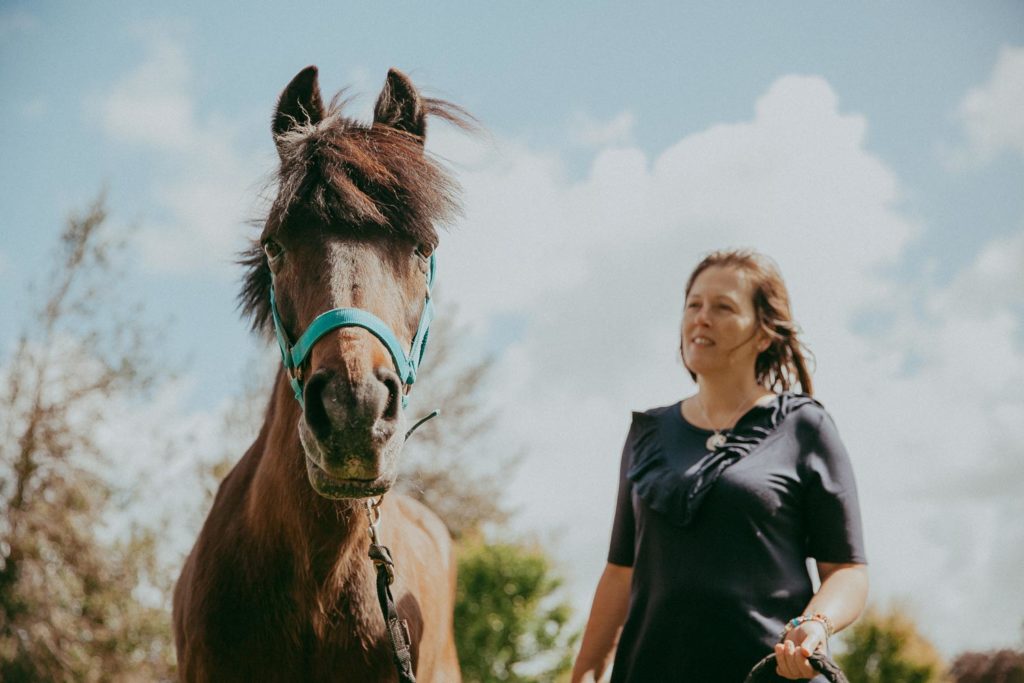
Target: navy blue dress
(718, 541)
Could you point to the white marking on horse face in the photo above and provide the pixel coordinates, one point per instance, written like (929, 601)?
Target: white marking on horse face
(355, 268)
(344, 263)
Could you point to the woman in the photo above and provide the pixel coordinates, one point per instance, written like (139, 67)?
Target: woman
(722, 498)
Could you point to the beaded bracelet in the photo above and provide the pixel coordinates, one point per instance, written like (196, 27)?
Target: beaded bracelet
(822, 619)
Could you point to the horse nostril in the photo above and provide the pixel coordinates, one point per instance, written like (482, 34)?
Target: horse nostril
(316, 414)
(394, 386)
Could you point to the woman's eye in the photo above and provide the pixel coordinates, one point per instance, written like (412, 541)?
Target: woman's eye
(272, 249)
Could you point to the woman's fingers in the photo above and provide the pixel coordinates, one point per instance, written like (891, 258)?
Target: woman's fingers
(791, 662)
(781, 666)
(791, 655)
(783, 661)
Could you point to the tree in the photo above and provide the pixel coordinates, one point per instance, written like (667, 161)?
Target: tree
(448, 465)
(886, 647)
(505, 622)
(68, 583)
(999, 666)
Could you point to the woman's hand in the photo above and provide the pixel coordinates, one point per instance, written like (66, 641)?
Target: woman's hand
(791, 654)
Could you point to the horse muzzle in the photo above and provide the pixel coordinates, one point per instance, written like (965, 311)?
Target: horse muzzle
(350, 434)
(338, 488)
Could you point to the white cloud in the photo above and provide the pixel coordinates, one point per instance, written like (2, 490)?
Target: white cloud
(204, 185)
(612, 247)
(992, 113)
(940, 450)
(991, 284)
(596, 268)
(152, 105)
(586, 131)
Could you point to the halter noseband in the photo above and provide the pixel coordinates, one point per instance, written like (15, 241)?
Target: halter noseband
(294, 355)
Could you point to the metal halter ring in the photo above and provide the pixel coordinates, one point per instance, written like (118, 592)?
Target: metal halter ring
(373, 517)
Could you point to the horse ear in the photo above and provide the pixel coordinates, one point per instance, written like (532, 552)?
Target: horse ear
(299, 103)
(400, 106)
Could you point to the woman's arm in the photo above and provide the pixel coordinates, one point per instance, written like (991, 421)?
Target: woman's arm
(842, 596)
(608, 613)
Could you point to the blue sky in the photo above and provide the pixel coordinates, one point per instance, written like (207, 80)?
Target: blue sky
(875, 149)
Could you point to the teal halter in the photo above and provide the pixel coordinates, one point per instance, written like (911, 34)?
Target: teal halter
(294, 355)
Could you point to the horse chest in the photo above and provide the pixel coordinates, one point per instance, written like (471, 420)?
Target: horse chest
(289, 637)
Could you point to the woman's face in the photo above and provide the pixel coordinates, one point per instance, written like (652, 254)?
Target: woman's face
(720, 329)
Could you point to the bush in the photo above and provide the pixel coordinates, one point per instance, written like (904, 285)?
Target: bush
(506, 628)
(1000, 666)
(886, 647)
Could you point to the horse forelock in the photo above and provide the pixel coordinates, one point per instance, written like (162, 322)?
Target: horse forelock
(364, 178)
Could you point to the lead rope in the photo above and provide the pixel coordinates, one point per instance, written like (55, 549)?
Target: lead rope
(819, 661)
(398, 629)
(419, 423)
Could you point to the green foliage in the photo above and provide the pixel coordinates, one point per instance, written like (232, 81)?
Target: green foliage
(886, 647)
(506, 628)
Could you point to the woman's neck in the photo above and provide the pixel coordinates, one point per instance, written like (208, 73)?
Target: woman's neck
(722, 397)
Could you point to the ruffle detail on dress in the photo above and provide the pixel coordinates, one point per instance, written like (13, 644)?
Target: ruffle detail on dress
(678, 495)
(654, 479)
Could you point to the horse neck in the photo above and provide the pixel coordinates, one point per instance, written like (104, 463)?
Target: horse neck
(326, 539)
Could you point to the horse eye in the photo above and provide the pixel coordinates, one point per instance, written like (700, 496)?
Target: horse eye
(424, 250)
(272, 249)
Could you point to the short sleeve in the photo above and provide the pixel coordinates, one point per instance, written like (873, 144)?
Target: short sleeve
(622, 546)
(831, 510)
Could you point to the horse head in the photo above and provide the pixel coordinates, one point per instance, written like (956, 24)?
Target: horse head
(342, 271)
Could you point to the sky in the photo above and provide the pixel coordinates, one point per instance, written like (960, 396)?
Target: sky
(874, 150)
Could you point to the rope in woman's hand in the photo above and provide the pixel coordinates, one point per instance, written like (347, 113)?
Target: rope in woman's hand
(764, 671)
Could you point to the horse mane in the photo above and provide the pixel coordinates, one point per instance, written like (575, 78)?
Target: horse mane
(369, 178)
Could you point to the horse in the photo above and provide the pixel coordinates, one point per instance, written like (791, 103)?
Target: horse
(278, 586)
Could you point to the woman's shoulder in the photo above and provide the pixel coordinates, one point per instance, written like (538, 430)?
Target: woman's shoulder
(804, 414)
(803, 406)
(657, 411)
(644, 423)
(649, 418)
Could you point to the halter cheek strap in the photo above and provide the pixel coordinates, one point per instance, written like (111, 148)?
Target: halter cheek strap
(406, 364)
